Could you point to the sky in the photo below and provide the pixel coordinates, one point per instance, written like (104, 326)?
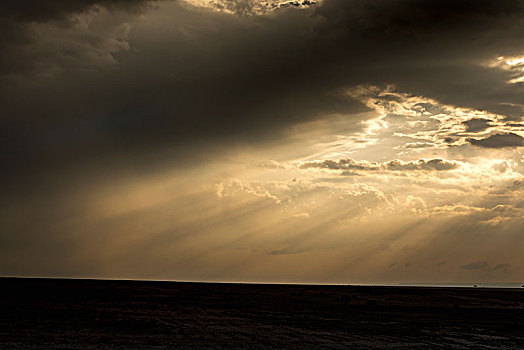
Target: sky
(333, 141)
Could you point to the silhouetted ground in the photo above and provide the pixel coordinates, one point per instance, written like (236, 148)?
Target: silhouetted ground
(80, 314)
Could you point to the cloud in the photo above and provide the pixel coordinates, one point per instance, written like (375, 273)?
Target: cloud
(272, 164)
(251, 7)
(502, 266)
(499, 141)
(118, 87)
(43, 11)
(516, 185)
(420, 122)
(436, 164)
(477, 124)
(341, 164)
(477, 265)
(485, 266)
(286, 251)
(54, 35)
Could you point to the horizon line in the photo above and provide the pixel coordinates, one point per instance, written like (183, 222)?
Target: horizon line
(503, 285)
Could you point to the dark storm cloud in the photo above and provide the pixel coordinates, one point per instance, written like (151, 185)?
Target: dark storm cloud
(208, 77)
(41, 11)
(499, 141)
(17, 20)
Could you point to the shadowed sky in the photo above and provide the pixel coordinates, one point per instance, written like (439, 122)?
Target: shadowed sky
(334, 141)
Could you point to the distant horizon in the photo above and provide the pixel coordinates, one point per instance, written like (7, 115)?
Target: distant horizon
(511, 285)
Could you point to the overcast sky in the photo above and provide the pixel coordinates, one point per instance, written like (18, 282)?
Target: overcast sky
(334, 141)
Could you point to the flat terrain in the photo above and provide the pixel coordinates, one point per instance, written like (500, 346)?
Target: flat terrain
(80, 314)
